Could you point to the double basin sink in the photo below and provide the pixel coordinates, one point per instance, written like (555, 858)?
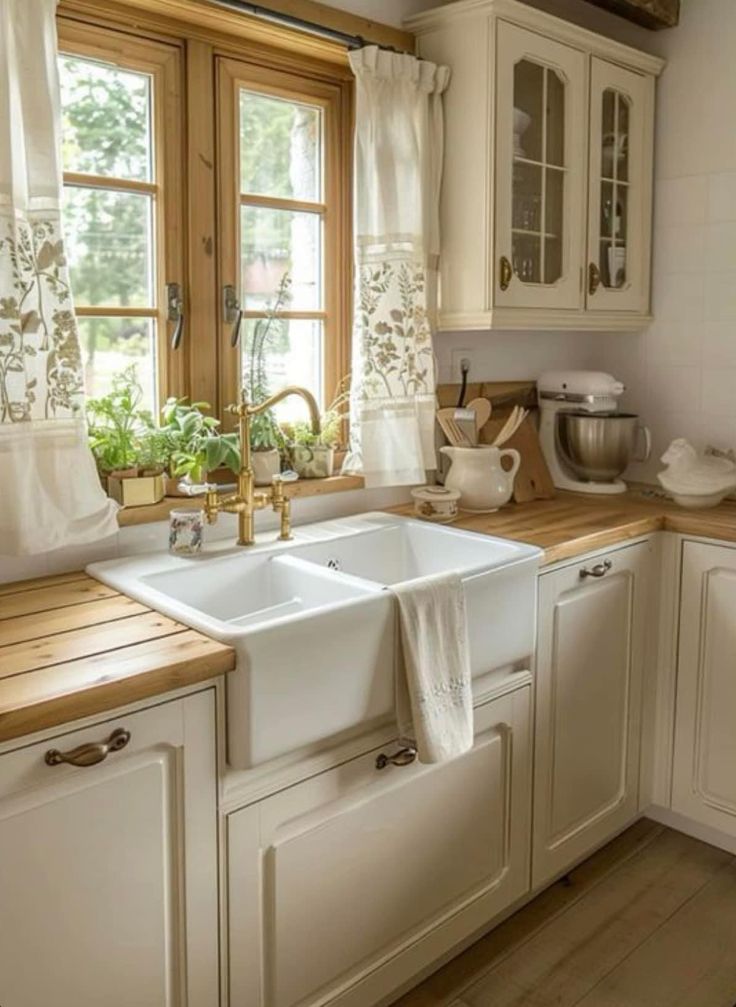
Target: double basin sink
(314, 624)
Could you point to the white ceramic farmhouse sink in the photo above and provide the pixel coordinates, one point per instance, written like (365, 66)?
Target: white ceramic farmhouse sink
(314, 625)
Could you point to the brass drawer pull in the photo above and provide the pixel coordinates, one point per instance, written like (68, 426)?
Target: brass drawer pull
(505, 273)
(90, 754)
(404, 757)
(599, 570)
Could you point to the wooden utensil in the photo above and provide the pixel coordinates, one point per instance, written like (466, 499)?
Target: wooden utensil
(446, 420)
(516, 418)
(533, 481)
(482, 409)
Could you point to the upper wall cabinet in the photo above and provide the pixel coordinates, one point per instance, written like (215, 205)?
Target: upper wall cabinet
(547, 188)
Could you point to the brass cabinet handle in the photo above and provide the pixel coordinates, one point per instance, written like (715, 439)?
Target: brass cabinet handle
(404, 757)
(90, 754)
(594, 278)
(505, 273)
(599, 570)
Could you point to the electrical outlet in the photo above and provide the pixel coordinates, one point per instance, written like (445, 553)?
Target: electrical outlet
(458, 359)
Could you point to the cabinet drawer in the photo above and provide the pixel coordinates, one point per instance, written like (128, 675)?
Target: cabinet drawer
(336, 883)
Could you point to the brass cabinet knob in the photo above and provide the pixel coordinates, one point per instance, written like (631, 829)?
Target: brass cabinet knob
(90, 754)
(594, 278)
(505, 273)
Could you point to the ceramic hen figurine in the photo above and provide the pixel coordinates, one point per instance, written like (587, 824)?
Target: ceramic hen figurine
(696, 480)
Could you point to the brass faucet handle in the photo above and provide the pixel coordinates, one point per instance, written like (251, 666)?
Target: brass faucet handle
(282, 505)
(211, 506)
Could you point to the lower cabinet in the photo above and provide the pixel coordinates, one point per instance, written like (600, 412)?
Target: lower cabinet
(590, 660)
(704, 780)
(99, 905)
(348, 884)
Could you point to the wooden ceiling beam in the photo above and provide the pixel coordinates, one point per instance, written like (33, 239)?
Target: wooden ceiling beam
(653, 14)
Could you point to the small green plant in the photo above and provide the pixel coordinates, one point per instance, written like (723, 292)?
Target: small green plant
(264, 430)
(115, 422)
(194, 444)
(332, 423)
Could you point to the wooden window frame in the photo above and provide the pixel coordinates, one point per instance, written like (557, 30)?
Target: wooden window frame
(205, 368)
(334, 211)
(162, 62)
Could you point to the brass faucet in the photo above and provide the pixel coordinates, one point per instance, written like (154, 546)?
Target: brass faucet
(247, 500)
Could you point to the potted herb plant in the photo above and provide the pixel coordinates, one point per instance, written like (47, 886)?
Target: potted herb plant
(266, 440)
(310, 455)
(118, 426)
(195, 446)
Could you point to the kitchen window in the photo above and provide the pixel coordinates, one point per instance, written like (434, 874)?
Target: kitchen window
(226, 191)
(283, 224)
(118, 96)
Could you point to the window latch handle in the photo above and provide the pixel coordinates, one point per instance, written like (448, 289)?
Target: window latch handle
(175, 313)
(232, 312)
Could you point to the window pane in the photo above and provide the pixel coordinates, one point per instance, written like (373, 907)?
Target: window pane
(280, 148)
(293, 355)
(110, 246)
(275, 242)
(106, 119)
(111, 344)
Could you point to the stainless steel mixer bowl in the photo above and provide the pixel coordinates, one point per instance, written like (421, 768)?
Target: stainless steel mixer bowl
(596, 446)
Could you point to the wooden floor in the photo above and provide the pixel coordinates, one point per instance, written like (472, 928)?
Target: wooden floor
(649, 921)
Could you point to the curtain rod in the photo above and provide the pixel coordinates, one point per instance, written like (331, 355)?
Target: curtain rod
(292, 21)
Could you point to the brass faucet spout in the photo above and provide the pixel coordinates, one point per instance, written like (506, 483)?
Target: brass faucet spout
(247, 500)
(272, 400)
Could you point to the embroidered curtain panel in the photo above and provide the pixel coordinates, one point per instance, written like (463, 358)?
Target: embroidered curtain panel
(398, 164)
(50, 495)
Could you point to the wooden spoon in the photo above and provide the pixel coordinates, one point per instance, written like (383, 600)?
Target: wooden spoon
(482, 409)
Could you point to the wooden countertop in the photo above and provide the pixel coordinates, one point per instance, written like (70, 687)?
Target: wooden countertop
(71, 647)
(575, 523)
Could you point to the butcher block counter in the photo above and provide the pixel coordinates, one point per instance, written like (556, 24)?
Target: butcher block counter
(71, 647)
(575, 523)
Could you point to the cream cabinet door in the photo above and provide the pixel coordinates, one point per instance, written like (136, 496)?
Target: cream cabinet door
(590, 658)
(704, 771)
(539, 170)
(108, 873)
(347, 885)
(620, 188)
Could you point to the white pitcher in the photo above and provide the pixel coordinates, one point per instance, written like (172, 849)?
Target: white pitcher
(477, 474)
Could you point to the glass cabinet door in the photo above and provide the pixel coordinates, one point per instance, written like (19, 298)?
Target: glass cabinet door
(540, 157)
(620, 189)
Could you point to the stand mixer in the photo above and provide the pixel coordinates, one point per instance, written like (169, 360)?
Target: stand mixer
(586, 441)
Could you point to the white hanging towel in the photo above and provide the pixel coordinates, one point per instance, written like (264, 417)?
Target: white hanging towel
(434, 702)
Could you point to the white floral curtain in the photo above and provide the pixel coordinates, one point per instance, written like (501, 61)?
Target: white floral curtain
(398, 165)
(50, 495)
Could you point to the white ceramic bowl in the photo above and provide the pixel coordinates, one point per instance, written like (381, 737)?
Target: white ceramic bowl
(696, 501)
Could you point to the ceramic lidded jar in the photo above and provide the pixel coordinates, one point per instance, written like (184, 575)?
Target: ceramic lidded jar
(480, 478)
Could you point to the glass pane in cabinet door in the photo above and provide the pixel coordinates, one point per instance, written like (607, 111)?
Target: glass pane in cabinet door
(608, 132)
(622, 152)
(553, 227)
(555, 119)
(527, 222)
(528, 104)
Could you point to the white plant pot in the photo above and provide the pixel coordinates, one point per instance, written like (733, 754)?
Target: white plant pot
(266, 465)
(316, 462)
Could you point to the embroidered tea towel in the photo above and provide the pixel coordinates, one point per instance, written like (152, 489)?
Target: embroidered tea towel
(434, 703)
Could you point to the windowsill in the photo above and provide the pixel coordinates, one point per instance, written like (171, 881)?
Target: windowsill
(302, 488)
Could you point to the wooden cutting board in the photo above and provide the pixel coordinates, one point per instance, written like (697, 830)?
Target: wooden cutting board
(533, 480)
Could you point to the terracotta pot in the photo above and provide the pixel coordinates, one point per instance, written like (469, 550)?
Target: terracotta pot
(266, 465)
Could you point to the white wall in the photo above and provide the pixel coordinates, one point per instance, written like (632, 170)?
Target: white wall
(681, 373)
